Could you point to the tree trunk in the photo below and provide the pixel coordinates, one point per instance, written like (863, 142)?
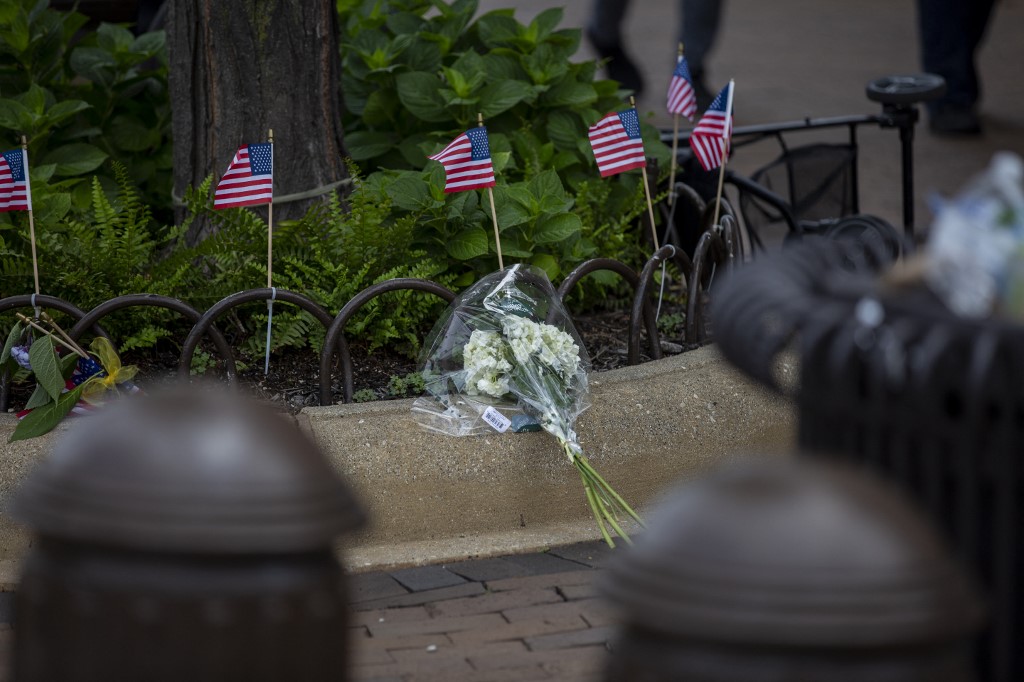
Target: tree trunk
(241, 68)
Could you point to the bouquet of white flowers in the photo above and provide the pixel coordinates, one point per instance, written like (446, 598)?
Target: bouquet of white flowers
(506, 353)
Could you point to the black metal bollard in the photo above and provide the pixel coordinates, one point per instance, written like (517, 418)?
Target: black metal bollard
(790, 572)
(183, 537)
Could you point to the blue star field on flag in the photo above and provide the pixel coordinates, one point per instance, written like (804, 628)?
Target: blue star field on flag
(478, 139)
(13, 159)
(631, 122)
(261, 158)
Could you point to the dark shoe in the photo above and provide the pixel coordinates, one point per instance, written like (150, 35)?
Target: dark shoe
(619, 66)
(954, 119)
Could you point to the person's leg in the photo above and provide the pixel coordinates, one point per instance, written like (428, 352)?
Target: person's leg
(605, 25)
(944, 45)
(604, 31)
(946, 50)
(978, 15)
(698, 32)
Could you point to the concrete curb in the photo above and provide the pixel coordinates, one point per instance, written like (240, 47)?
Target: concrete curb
(434, 498)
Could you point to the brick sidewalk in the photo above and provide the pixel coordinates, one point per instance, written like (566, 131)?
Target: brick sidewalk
(506, 619)
(526, 617)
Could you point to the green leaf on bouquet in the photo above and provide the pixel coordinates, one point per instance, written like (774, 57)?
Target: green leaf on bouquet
(46, 366)
(42, 420)
(38, 398)
(12, 339)
(68, 363)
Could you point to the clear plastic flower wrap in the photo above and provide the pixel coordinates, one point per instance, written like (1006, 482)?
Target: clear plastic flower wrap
(506, 354)
(975, 246)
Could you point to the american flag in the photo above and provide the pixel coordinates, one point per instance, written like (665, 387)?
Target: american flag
(617, 143)
(467, 161)
(681, 97)
(249, 180)
(15, 193)
(710, 137)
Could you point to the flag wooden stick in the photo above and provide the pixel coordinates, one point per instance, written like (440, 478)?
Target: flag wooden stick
(675, 150)
(725, 151)
(270, 218)
(494, 219)
(494, 212)
(31, 222)
(32, 323)
(718, 195)
(270, 256)
(64, 335)
(647, 193)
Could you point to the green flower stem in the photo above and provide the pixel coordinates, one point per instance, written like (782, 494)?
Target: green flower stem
(595, 508)
(611, 491)
(604, 502)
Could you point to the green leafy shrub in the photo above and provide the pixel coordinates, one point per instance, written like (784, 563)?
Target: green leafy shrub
(364, 395)
(335, 251)
(81, 97)
(412, 384)
(416, 73)
(110, 249)
(94, 105)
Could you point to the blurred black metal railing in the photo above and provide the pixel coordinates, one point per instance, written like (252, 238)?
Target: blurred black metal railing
(893, 381)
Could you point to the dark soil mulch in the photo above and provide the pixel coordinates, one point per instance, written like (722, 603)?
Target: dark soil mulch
(293, 381)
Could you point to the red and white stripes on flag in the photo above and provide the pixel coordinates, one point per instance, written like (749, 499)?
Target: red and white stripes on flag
(15, 190)
(711, 136)
(617, 143)
(467, 162)
(681, 97)
(249, 180)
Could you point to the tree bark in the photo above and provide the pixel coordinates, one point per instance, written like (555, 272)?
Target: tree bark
(243, 67)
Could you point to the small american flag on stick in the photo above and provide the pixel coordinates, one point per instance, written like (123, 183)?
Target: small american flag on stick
(467, 162)
(681, 97)
(249, 180)
(710, 137)
(15, 193)
(617, 143)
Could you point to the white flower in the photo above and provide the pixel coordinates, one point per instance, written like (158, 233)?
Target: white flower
(547, 343)
(486, 365)
(487, 356)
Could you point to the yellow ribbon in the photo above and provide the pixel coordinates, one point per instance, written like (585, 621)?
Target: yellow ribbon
(111, 363)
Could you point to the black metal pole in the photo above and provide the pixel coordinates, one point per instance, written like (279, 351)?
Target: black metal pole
(907, 163)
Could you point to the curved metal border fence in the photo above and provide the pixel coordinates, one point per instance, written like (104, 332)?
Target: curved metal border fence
(335, 348)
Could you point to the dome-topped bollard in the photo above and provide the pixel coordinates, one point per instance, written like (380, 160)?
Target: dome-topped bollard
(183, 537)
(790, 572)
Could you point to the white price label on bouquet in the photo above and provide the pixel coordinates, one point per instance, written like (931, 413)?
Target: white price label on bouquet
(497, 420)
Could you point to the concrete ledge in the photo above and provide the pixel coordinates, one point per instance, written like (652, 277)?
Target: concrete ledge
(438, 498)
(434, 498)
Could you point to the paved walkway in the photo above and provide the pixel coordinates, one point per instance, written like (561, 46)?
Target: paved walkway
(504, 619)
(525, 617)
